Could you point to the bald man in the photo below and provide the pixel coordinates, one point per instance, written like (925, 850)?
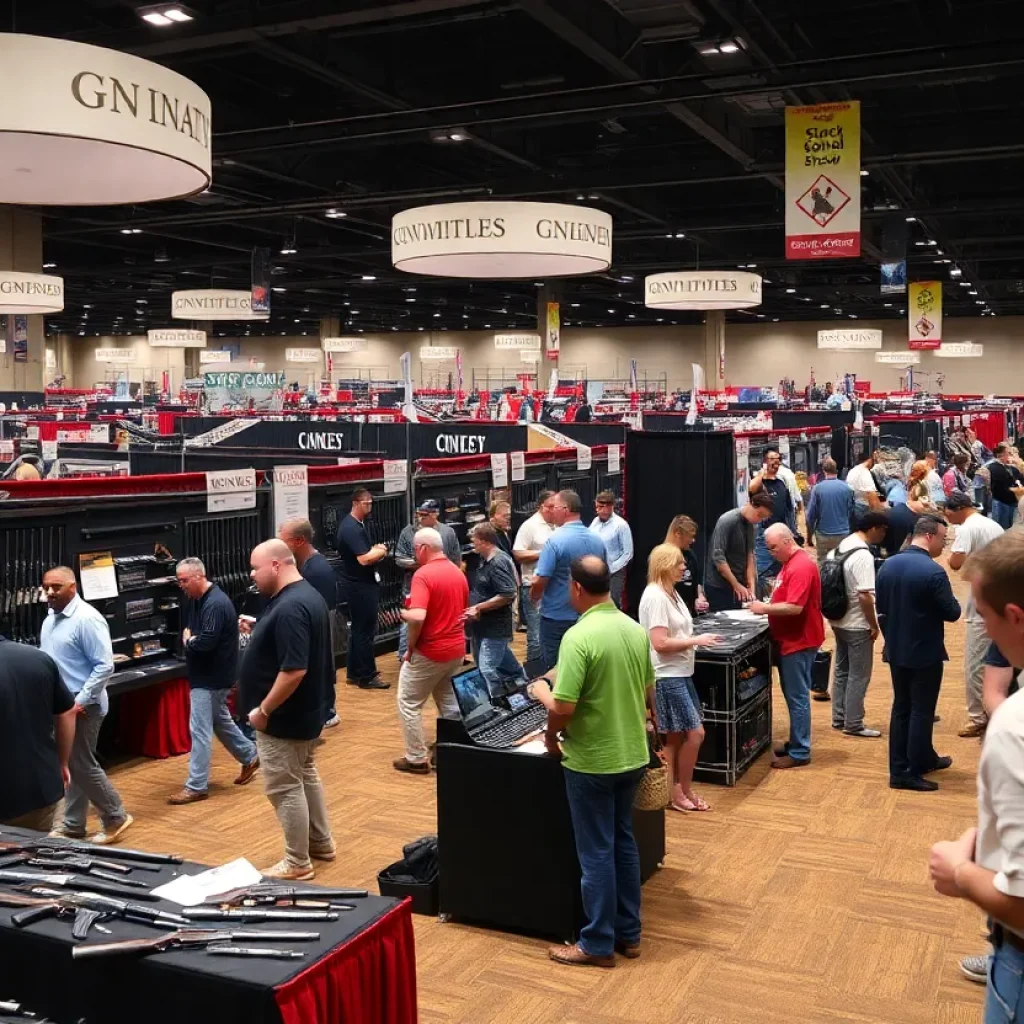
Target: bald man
(77, 637)
(796, 626)
(286, 678)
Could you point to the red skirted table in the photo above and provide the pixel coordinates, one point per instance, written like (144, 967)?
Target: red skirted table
(153, 721)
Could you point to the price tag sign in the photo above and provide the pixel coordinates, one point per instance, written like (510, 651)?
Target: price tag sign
(230, 489)
(784, 448)
(49, 451)
(6, 451)
(291, 494)
(499, 470)
(583, 458)
(396, 473)
(743, 447)
(518, 460)
(615, 458)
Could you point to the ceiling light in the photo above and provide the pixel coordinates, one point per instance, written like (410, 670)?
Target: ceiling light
(708, 50)
(437, 316)
(939, 252)
(825, 305)
(972, 292)
(911, 220)
(964, 284)
(369, 277)
(49, 266)
(335, 214)
(979, 302)
(931, 241)
(919, 243)
(775, 319)
(575, 305)
(611, 310)
(864, 172)
(580, 198)
(86, 306)
(288, 249)
(538, 284)
(729, 46)
(791, 291)
(760, 316)
(680, 234)
(156, 18)
(131, 231)
(887, 304)
(410, 300)
(355, 312)
(955, 271)
(277, 289)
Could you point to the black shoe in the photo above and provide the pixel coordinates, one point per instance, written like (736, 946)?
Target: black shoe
(936, 718)
(942, 762)
(834, 726)
(914, 783)
(376, 683)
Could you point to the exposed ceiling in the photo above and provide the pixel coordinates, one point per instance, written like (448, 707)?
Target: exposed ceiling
(346, 105)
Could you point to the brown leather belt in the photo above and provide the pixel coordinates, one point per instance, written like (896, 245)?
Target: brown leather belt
(1000, 936)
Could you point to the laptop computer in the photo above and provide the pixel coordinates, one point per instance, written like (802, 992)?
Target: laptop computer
(498, 721)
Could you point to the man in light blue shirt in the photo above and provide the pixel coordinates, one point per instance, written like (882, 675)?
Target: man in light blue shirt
(618, 541)
(550, 588)
(829, 512)
(77, 637)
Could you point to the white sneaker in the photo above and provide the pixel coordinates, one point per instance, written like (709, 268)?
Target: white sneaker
(332, 722)
(863, 731)
(105, 838)
(975, 968)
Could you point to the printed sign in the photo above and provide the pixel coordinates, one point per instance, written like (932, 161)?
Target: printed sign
(176, 339)
(259, 292)
(553, 331)
(213, 355)
(396, 473)
(99, 433)
(898, 358)
(583, 457)
(615, 458)
(823, 181)
(344, 344)
(960, 350)
(518, 460)
(530, 342)
(850, 339)
(924, 314)
(236, 379)
(49, 450)
(894, 278)
(98, 575)
(113, 355)
(526, 356)
(302, 355)
(6, 451)
(291, 494)
(438, 352)
(230, 489)
(784, 448)
(499, 470)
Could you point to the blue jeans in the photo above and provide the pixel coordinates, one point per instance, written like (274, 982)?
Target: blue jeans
(602, 820)
(795, 675)
(766, 565)
(1004, 996)
(497, 664)
(1003, 513)
(530, 615)
(551, 633)
(209, 717)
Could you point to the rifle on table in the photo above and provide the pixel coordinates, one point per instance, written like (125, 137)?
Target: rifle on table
(89, 866)
(44, 848)
(268, 895)
(259, 914)
(189, 938)
(66, 881)
(87, 909)
(83, 849)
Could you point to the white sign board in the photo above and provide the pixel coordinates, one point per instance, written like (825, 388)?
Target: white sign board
(49, 450)
(907, 358)
(344, 344)
(784, 448)
(848, 338)
(99, 432)
(79, 434)
(291, 494)
(6, 451)
(176, 339)
(214, 355)
(960, 350)
(615, 458)
(583, 457)
(113, 355)
(396, 472)
(499, 469)
(230, 489)
(214, 304)
(438, 352)
(302, 355)
(529, 357)
(518, 460)
(529, 342)
(51, 357)
(98, 575)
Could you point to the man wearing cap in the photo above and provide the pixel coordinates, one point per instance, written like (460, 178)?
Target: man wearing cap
(428, 514)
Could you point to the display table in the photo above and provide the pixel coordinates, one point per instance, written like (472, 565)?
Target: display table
(506, 850)
(361, 971)
(153, 721)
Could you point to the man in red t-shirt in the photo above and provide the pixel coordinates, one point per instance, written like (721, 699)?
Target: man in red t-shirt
(436, 645)
(796, 626)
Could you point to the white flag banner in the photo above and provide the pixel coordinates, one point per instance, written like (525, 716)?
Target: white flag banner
(698, 385)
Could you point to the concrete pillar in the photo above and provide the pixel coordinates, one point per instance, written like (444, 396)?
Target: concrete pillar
(714, 349)
(21, 248)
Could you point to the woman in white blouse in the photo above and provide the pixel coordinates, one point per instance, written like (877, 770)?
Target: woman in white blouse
(667, 620)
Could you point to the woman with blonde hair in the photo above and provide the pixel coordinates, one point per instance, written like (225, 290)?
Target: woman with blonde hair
(917, 485)
(664, 615)
(682, 532)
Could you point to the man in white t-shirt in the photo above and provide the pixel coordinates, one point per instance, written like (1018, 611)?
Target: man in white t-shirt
(865, 490)
(530, 539)
(973, 532)
(857, 630)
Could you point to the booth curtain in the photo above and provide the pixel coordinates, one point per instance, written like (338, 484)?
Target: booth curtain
(990, 428)
(372, 977)
(154, 720)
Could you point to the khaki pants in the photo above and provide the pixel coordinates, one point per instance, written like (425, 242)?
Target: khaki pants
(293, 787)
(824, 543)
(419, 680)
(41, 820)
(976, 644)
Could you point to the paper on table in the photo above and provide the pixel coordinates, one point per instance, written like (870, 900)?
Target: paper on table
(191, 890)
(740, 613)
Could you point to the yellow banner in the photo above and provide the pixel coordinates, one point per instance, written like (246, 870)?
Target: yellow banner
(823, 181)
(924, 314)
(553, 331)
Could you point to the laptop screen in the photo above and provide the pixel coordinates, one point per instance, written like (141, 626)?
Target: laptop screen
(474, 700)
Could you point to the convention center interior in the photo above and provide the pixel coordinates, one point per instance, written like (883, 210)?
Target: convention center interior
(511, 512)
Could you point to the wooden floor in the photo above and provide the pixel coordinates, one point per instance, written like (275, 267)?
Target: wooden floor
(803, 897)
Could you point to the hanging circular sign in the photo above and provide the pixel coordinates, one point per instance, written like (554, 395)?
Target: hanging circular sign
(501, 240)
(92, 126)
(174, 338)
(30, 293)
(214, 304)
(702, 289)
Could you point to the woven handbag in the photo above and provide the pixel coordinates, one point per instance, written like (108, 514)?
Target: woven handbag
(653, 792)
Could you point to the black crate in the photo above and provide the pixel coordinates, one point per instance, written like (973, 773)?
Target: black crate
(424, 895)
(719, 687)
(730, 745)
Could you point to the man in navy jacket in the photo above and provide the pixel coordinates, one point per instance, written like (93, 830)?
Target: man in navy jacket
(913, 598)
(210, 642)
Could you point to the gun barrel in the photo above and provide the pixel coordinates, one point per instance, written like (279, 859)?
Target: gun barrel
(257, 914)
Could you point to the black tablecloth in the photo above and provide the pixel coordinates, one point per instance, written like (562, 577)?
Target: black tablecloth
(180, 987)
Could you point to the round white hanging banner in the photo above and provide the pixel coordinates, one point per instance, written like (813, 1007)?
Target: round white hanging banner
(176, 339)
(702, 289)
(93, 127)
(850, 339)
(30, 293)
(214, 304)
(502, 240)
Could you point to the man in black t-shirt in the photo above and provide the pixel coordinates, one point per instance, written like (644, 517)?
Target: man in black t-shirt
(316, 571)
(360, 590)
(1006, 483)
(769, 481)
(285, 678)
(37, 728)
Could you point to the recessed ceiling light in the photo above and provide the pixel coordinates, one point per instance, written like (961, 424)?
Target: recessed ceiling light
(156, 18)
(911, 220)
(729, 46)
(277, 289)
(964, 284)
(887, 304)
(931, 241)
(680, 234)
(335, 214)
(825, 305)
(369, 277)
(972, 292)
(437, 316)
(791, 291)
(177, 14)
(288, 250)
(575, 305)
(611, 310)
(49, 266)
(979, 302)
(410, 300)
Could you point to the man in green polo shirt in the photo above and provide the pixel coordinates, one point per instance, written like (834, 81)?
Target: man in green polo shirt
(603, 690)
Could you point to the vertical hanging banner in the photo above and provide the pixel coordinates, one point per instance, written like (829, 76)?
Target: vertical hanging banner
(552, 331)
(894, 278)
(20, 338)
(924, 314)
(823, 181)
(260, 301)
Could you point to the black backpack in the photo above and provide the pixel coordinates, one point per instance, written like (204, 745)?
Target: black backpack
(834, 599)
